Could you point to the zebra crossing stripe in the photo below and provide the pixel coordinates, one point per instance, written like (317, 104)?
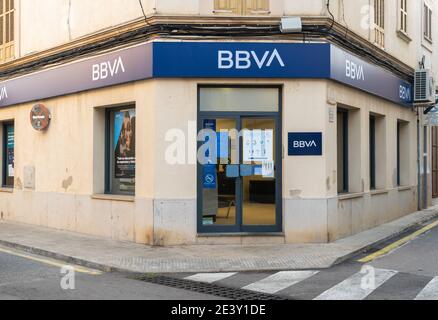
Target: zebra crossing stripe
(358, 286)
(430, 292)
(209, 277)
(279, 281)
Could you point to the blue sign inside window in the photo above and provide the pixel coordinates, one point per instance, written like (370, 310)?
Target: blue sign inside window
(210, 176)
(305, 144)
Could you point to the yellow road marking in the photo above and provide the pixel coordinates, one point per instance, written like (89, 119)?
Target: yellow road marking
(51, 262)
(398, 243)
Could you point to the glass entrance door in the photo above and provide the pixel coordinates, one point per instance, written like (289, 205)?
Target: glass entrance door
(219, 183)
(240, 159)
(259, 187)
(239, 174)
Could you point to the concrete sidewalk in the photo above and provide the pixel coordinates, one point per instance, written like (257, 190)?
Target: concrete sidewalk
(109, 255)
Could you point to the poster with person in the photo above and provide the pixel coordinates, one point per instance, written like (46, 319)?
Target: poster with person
(124, 144)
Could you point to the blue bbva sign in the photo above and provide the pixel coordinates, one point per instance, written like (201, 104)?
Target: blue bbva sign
(305, 144)
(353, 71)
(241, 60)
(208, 60)
(277, 60)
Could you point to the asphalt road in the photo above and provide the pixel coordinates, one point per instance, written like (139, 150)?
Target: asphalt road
(25, 279)
(406, 272)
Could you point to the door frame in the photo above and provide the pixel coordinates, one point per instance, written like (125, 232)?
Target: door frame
(239, 228)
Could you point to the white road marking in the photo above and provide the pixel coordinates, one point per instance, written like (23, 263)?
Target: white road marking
(353, 288)
(430, 292)
(280, 281)
(210, 277)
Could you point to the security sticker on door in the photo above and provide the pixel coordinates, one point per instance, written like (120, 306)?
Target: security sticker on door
(258, 145)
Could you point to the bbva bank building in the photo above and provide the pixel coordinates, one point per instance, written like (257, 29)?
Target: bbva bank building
(210, 142)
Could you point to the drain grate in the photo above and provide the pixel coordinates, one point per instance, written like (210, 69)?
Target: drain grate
(207, 288)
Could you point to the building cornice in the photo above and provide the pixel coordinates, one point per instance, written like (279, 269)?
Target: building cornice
(210, 21)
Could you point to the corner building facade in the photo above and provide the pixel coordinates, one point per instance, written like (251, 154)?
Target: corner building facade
(195, 133)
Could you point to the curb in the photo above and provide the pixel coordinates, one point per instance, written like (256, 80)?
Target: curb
(109, 269)
(63, 258)
(369, 246)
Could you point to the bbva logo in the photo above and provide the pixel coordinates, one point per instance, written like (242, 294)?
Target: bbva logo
(241, 59)
(3, 93)
(354, 71)
(405, 93)
(107, 69)
(304, 144)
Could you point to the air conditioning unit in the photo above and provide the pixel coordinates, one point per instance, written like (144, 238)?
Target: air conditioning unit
(424, 91)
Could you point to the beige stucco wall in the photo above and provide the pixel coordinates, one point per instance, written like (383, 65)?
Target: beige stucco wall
(69, 167)
(68, 161)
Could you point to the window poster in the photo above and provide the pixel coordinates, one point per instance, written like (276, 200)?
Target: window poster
(124, 144)
(258, 145)
(10, 151)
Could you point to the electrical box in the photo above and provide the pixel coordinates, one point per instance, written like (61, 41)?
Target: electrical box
(291, 25)
(29, 177)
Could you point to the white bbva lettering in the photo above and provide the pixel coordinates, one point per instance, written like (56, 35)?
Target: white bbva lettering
(107, 69)
(244, 59)
(354, 71)
(304, 144)
(3, 94)
(225, 60)
(404, 93)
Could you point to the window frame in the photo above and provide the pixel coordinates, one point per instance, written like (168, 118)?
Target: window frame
(5, 159)
(399, 124)
(427, 22)
(379, 23)
(345, 146)
(108, 153)
(7, 30)
(403, 16)
(242, 8)
(373, 185)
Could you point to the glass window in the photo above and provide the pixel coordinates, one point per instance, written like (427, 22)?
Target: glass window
(9, 156)
(121, 151)
(342, 138)
(402, 153)
(372, 152)
(240, 99)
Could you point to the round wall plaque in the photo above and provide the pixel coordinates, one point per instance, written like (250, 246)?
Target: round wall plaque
(40, 117)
